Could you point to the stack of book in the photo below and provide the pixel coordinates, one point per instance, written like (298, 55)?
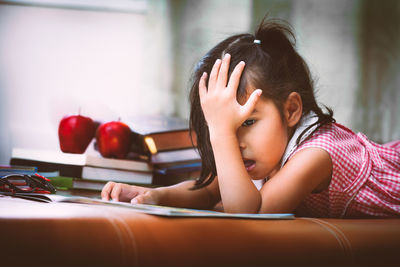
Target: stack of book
(164, 155)
(83, 171)
(6, 170)
(170, 147)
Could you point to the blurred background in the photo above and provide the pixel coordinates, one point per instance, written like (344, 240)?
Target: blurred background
(112, 59)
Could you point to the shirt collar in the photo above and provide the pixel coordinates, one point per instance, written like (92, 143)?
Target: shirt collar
(307, 120)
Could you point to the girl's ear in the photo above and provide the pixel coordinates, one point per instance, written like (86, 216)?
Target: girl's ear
(293, 109)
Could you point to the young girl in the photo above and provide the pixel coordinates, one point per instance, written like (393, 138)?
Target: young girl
(256, 118)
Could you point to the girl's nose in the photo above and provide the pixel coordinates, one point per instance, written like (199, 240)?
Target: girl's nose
(242, 144)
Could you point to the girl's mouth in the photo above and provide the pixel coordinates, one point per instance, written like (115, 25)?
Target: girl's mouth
(249, 164)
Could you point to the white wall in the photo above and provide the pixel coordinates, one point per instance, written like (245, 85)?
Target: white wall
(353, 48)
(327, 34)
(54, 62)
(199, 26)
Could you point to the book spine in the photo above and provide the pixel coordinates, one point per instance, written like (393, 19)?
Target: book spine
(88, 185)
(93, 185)
(104, 174)
(14, 167)
(63, 169)
(122, 164)
(174, 140)
(61, 182)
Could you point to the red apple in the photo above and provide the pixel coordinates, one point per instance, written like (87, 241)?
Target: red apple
(75, 133)
(114, 139)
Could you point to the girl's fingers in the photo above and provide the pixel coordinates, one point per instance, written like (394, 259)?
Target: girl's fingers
(222, 79)
(234, 80)
(116, 191)
(105, 192)
(250, 104)
(212, 81)
(202, 86)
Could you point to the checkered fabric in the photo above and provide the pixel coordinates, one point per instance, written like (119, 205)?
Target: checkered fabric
(365, 178)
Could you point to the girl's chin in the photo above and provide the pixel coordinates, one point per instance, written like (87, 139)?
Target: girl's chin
(256, 175)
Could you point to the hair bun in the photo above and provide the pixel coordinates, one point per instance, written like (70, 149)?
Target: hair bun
(276, 37)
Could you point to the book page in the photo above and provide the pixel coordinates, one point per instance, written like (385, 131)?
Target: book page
(151, 209)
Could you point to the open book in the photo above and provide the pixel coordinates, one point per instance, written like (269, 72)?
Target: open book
(150, 209)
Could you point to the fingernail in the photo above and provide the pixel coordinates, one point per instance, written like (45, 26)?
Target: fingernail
(204, 74)
(259, 92)
(227, 55)
(242, 62)
(134, 201)
(217, 61)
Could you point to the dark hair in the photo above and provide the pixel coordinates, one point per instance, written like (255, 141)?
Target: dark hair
(272, 65)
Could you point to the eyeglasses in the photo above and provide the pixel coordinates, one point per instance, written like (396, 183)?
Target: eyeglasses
(20, 183)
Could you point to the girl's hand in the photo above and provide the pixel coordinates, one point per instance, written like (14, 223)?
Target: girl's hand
(223, 113)
(130, 193)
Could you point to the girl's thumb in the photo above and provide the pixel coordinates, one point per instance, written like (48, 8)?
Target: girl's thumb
(146, 198)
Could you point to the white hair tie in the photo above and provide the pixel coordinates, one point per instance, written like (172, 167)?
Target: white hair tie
(256, 41)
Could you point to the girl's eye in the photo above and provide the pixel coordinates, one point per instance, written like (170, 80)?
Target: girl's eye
(248, 123)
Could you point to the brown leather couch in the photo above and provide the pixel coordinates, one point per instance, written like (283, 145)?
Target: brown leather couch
(66, 234)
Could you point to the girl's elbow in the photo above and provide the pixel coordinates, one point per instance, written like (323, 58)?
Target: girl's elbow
(247, 207)
(268, 208)
(241, 210)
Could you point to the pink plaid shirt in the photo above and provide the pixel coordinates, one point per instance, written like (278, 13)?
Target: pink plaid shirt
(365, 178)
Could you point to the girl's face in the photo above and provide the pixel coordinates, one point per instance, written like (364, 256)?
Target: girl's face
(262, 139)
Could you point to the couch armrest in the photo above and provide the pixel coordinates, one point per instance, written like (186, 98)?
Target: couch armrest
(66, 234)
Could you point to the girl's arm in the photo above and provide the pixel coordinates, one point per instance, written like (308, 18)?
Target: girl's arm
(309, 171)
(178, 195)
(238, 192)
(224, 116)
